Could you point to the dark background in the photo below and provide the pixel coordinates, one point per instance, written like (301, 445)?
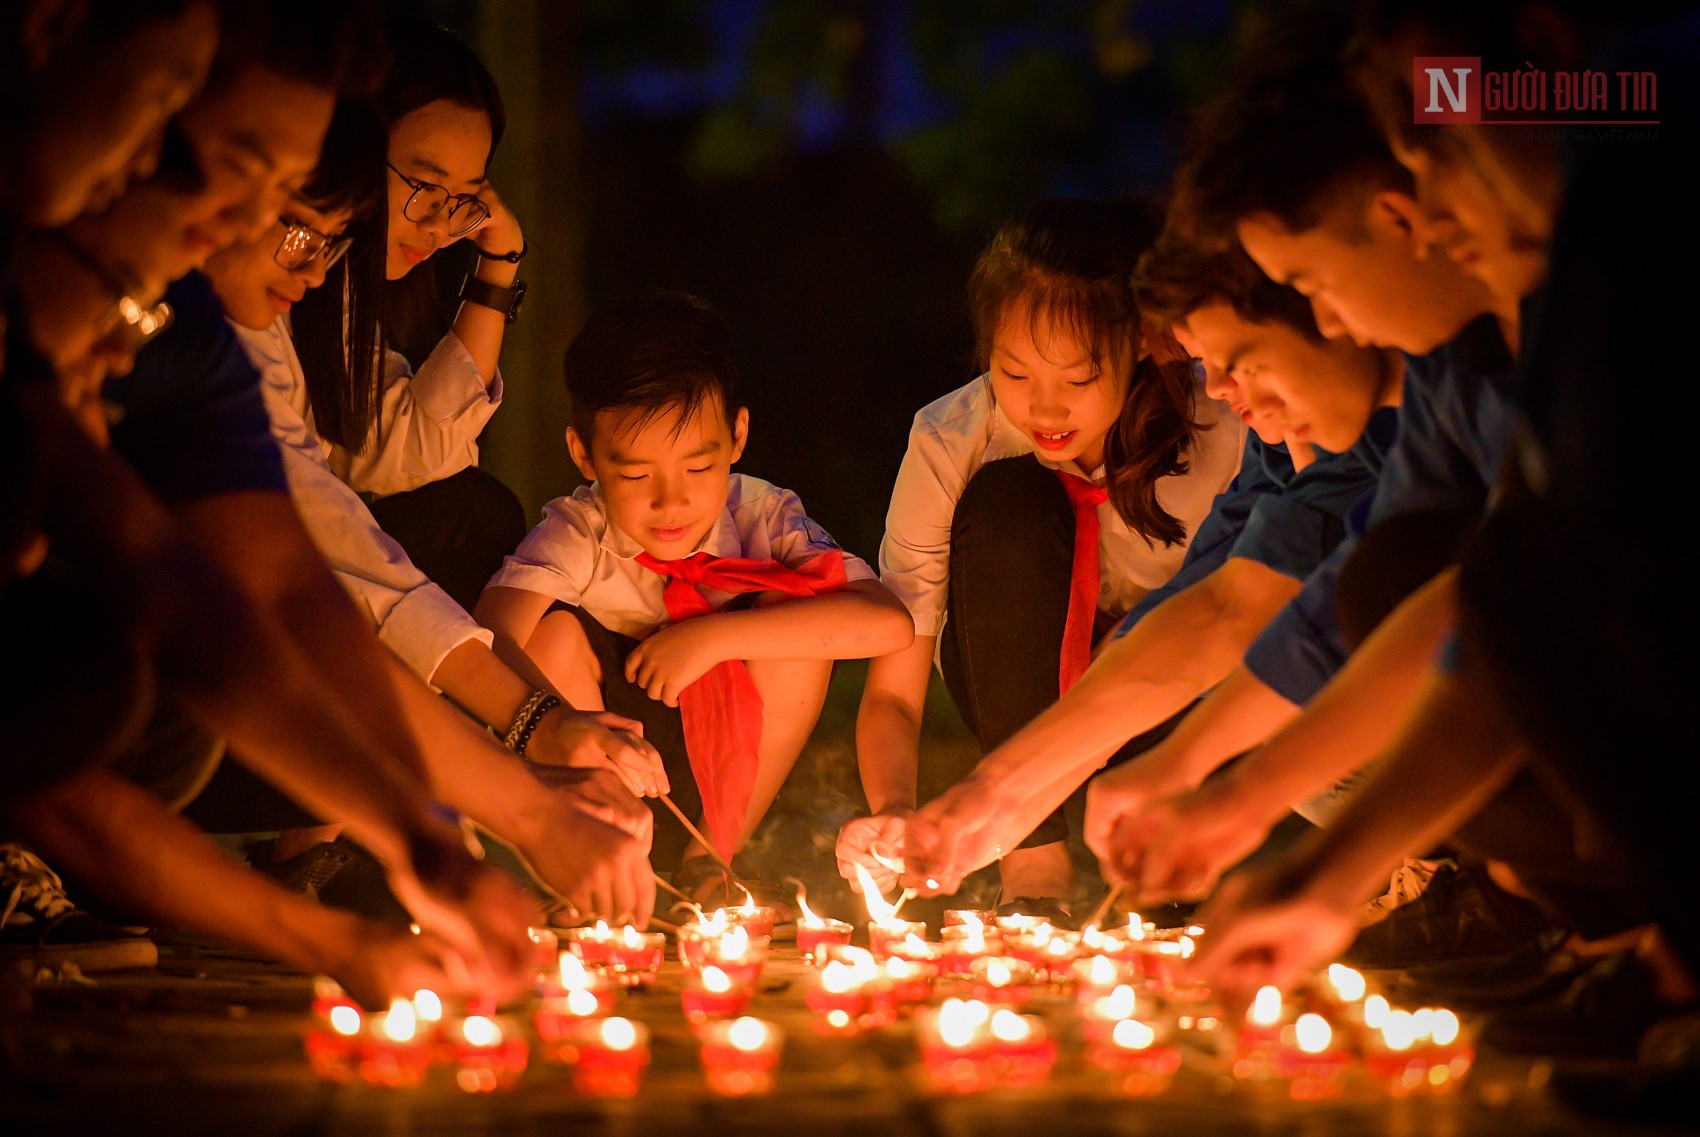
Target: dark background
(824, 172)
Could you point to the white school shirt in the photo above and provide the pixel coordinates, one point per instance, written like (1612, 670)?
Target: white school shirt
(416, 619)
(955, 435)
(579, 557)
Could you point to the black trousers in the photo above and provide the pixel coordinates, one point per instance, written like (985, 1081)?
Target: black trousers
(1590, 657)
(1011, 558)
(662, 726)
(456, 530)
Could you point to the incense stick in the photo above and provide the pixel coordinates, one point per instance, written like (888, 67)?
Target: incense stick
(1104, 906)
(662, 882)
(696, 835)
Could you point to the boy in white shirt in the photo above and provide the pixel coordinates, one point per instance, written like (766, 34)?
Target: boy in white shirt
(670, 582)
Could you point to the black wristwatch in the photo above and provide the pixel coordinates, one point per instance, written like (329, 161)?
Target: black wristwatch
(504, 300)
(511, 258)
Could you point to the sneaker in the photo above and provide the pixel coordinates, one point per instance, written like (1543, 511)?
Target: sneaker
(338, 874)
(40, 924)
(1461, 914)
(1410, 881)
(1536, 970)
(305, 874)
(1604, 1013)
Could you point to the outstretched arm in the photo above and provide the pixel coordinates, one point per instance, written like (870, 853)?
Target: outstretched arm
(888, 752)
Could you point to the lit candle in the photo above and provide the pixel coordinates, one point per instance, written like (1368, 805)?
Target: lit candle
(1023, 1053)
(712, 994)
(489, 1053)
(1260, 1035)
(392, 1051)
(1419, 1053)
(609, 1057)
(884, 925)
(1001, 980)
(635, 957)
(961, 917)
(738, 1057)
(332, 1041)
(1102, 1014)
(817, 932)
(545, 946)
(740, 955)
(965, 942)
(590, 944)
(1311, 1059)
(1097, 975)
(576, 994)
(756, 919)
(1135, 1052)
(957, 1046)
(906, 984)
(841, 997)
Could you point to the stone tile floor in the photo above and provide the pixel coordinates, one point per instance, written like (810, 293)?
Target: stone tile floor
(212, 1043)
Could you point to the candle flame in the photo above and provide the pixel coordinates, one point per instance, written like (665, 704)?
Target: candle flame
(1092, 938)
(916, 944)
(810, 920)
(427, 1006)
(1187, 947)
(960, 1020)
(480, 1031)
(880, 911)
(630, 937)
(1313, 1033)
(1135, 926)
(1194, 930)
(345, 1020)
(582, 1001)
(601, 931)
(1445, 1029)
(1059, 946)
(1102, 971)
(972, 921)
(1007, 1026)
(1265, 1007)
(401, 1023)
(1131, 1034)
(747, 1034)
(573, 973)
(618, 1034)
(735, 944)
(1375, 1011)
(1399, 1030)
(716, 980)
(998, 973)
(838, 978)
(1348, 984)
(896, 967)
(838, 1020)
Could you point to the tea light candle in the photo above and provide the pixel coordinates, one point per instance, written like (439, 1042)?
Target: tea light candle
(332, 1041)
(1100, 1016)
(391, 1051)
(545, 946)
(1096, 976)
(1020, 922)
(1134, 1051)
(756, 919)
(916, 950)
(906, 983)
(712, 994)
(963, 917)
(840, 997)
(815, 932)
(609, 1057)
(489, 1053)
(1023, 1052)
(1419, 1053)
(635, 957)
(738, 1057)
(1001, 980)
(882, 935)
(1312, 1060)
(964, 943)
(1260, 1035)
(957, 1045)
(591, 944)
(1348, 985)
(739, 955)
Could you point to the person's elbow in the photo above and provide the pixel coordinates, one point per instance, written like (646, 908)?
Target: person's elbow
(887, 626)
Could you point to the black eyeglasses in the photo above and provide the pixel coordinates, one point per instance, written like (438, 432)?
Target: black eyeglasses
(466, 211)
(302, 245)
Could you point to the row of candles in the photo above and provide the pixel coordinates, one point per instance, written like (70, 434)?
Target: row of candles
(965, 993)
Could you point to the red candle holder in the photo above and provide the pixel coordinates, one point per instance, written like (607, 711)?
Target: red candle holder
(609, 1056)
(739, 955)
(955, 917)
(1259, 1044)
(1309, 1059)
(1418, 1054)
(905, 984)
(1098, 975)
(1100, 1017)
(634, 957)
(489, 1053)
(392, 1051)
(545, 949)
(739, 1057)
(841, 997)
(824, 933)
(712, 994)
(592, 944)
(967, 1046)
(1139, 1056)
(756, 919)
(963, 944)
(333, 1040)
(881, 935)
(1001, 980)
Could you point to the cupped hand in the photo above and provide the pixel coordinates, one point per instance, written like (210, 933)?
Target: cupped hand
(674, 658)
(1178, 848)
(601, 871)
(380, 962)
(475, 908)
(1114, 800)
(862, 837)
(601, 793)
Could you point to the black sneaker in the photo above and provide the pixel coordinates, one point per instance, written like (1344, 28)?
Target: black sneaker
(1537, 969)
(338, 874)
(1461, 914)
(41, 925)
(1603, 1013)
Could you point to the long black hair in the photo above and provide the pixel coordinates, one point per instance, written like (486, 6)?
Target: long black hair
(335, 326)
(1072, 261)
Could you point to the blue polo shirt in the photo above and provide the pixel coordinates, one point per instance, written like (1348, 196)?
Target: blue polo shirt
(1277, 516)
(1454, 432)
(192, 420)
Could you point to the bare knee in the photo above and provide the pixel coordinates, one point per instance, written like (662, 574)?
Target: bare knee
(561, 649)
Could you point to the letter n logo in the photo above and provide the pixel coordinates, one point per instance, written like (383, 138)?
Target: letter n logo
(1446, 88)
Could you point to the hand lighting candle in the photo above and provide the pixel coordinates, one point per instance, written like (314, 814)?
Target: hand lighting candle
(738, 1057)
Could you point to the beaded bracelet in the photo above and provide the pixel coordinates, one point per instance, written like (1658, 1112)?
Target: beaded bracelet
(525, 720)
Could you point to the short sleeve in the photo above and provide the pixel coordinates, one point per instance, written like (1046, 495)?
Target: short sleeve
(558, 558)
(915, 554)
(192, 420)
(795, 538)
(1303, 647)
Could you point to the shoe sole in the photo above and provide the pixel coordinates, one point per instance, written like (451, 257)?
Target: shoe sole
(114, 955)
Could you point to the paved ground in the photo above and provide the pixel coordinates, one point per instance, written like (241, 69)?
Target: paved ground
(212, 1043)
